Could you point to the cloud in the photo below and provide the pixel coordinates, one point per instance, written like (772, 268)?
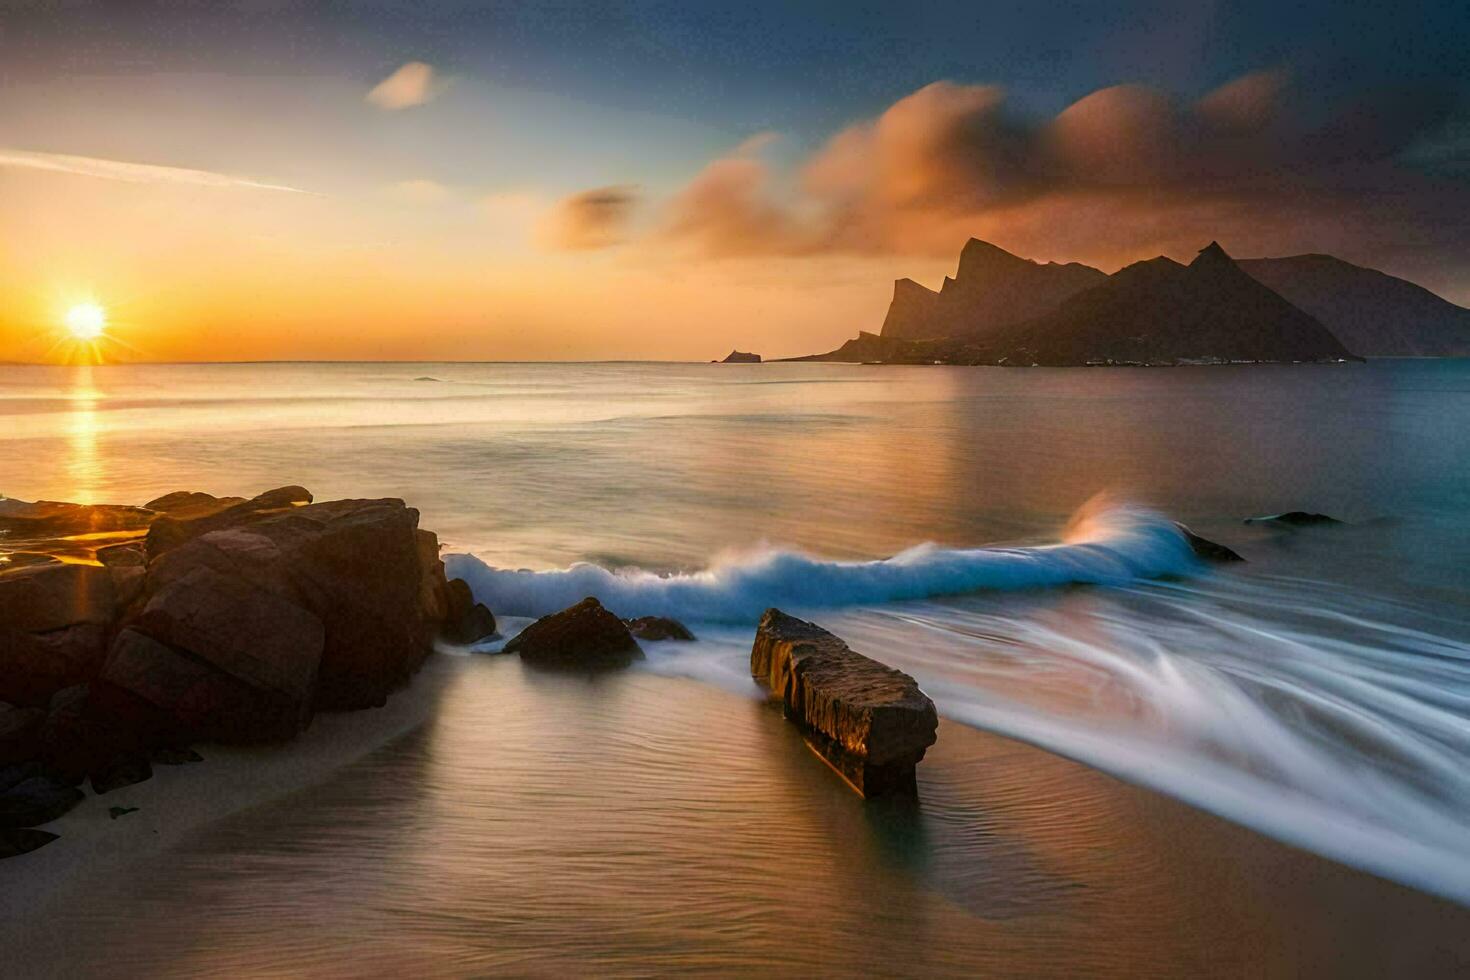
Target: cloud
(410, 85)
(591, 219)
(1129, 169)
(137, 173)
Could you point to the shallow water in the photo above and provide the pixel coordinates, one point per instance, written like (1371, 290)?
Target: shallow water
(1320, 693)
(632, 825)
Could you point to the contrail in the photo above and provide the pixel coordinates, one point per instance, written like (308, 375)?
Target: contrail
(137, 173)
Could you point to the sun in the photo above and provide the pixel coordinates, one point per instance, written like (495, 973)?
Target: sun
(86, 321)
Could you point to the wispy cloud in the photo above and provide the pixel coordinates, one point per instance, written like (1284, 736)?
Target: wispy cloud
(136, 173)
(410, 85)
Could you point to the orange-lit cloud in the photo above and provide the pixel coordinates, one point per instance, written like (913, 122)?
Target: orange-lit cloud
(411, 85)
(1123, 172)
(591, 219)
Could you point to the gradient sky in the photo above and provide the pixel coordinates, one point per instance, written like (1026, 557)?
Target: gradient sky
(264, 180)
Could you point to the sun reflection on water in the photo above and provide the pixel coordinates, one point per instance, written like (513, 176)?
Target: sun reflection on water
(83, 463)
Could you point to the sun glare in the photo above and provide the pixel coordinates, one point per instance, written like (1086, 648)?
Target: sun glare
(86, 321)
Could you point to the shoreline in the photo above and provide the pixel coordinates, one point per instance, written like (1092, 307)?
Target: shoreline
(1032, 863)
(181, 800)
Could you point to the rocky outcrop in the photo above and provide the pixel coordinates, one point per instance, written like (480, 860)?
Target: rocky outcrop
(1294, 518)
(581, 637)
(656, 628)
(871, 722)
(991, 290)
(741, 357)
(202, 617)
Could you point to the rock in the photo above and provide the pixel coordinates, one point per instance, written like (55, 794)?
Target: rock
(360, 566)
(168, 756)
(90, 727)
(39, 598)
(654, 628)
(188, 522)
(15, 841)
(581, 636)
(465, 621)
(34, 666)
(113, 812)
(123, 772)
(20, 731)
(478, 624)
(871, 722)
(191, 502)
(22, 521)
(220, 690)
(1294, 518)
(38, 800)
(1205, 549)
(741, 357)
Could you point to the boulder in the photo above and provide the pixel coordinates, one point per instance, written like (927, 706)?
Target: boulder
(466, 621)
(1205, 549)
(34, 666)
(38, 800)
(1294, 518)
(189, 521)
(90, 727)
(581, 636)
(15, 841)
(871, 722)
(43, 597)
(654, 628)
(359, 566)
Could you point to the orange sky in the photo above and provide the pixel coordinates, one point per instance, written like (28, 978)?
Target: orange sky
(418, 214)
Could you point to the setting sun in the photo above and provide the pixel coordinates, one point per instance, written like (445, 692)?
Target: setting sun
(85, 321)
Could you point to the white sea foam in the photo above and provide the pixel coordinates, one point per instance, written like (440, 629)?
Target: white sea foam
(1106, 543)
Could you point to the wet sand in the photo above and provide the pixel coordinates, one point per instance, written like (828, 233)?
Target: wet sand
(555, 825)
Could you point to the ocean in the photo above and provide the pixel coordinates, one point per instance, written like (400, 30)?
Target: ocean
(1004, 535)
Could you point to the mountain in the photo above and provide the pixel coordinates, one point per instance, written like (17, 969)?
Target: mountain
(1372, 313)
(991, 290)
(1161, 312)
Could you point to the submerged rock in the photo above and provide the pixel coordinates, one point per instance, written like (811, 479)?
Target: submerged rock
(113, 812)
(654, 628)
(581, 636)
(1205, 549)
(15, 841)
(871, 722)
(1294, 518)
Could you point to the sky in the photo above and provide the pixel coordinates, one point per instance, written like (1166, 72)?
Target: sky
(269, 179)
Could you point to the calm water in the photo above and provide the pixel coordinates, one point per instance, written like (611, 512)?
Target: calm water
(1319, 694)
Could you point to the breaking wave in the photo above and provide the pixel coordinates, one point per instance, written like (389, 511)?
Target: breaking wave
(1105, 543)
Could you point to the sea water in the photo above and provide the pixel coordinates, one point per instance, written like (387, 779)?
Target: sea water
(1004, 535)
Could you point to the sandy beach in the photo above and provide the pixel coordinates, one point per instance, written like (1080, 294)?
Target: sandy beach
(487, 827)
(179, 800)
